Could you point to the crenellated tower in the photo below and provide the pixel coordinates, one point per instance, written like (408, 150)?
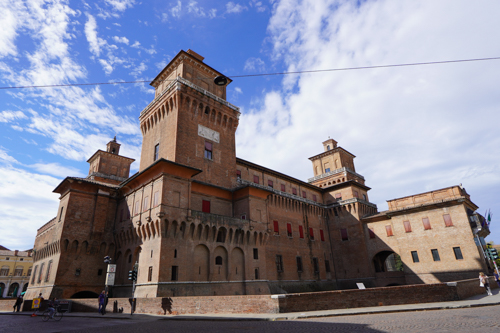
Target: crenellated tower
(190, 122)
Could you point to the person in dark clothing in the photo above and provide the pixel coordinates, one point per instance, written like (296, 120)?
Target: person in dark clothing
(18, 303)
(102, 300)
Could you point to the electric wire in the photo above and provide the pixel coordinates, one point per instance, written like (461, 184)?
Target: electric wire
(265, 74)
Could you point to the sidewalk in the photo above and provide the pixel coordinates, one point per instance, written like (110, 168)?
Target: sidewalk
(478, 300)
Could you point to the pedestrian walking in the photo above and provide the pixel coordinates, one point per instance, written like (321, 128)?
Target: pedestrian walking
(483, 282)
(18, 303)
(497, 279)
(102, 300)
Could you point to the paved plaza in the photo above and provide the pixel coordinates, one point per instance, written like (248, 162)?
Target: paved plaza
(478, 319)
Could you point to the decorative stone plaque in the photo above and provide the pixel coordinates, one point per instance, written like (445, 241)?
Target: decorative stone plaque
(208, 133)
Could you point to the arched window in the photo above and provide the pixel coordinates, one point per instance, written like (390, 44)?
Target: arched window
(18, 271)
(4, 271)
(218, 260)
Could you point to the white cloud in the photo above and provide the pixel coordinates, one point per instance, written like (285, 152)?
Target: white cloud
(95, 43)
(238, 90)
(8, 116)
(10, 22)
(136, 44)
(120, 5)
(255, 64)
(231, 7)
(55, 169)
(123, 40)
(258, 5)
(6, 158)
(176, 10)
(16, 186)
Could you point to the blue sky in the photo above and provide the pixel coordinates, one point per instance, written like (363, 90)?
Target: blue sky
(413, 129)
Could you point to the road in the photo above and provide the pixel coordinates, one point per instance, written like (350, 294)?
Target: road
(479, 319)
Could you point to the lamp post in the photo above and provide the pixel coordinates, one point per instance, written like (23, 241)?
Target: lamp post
(132, 275)
(110, 279)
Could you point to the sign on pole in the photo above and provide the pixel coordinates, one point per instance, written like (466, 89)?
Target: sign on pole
(110, 279)
(111, 268)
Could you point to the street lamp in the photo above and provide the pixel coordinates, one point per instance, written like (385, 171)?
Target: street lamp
(110, 279)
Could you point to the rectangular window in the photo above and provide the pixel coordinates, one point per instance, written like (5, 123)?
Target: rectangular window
(294, 191)
(244, 217)
(208, 150)
(145, 204)
(283, 188)
(257, 273)
(276, 227)
(175, 273)
(327, 170)
(279, 263)
(289, 229)
(338, 196)
(238, 174)
(315, 266)
(447, 220)
(322, 235)
(344, 235)
(156, 196)
(314, 198)
(301, 231)
(407, 226)
(150, 273)
(311, 233)
(414, 256)
(458, 253)
(364, 197)
(304, 194)
(327, 266)
(371, 233)
(256, 254)
(256, 179)
(356, 194)
(205, 206)
(435, 255)
(299, 264)
(136, 208)
(270, 183)
(5, 271)
(157, 152)
(427, 224)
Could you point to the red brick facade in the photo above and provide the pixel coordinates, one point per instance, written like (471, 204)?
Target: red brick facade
(200, 221)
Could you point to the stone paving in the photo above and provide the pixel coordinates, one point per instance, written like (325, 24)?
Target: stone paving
(479, 313)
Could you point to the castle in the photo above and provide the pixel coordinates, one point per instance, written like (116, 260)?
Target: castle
(200, 221)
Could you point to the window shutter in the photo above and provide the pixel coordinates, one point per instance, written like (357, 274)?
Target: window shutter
(289, 228)
(447, 220)
(205, 206)
(256, 179)
(388, 229)
(314, 198)
(407, 226)
(322, 235)
(311, 233)
(208, 145)
(427, 224)
(276, 227)
(283, 189)
(301, 231)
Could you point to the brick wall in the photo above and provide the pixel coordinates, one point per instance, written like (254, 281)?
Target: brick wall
(426, 293)
(328, 300)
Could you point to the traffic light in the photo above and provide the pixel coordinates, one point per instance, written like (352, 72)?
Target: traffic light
(132, 275)
(493, 254)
